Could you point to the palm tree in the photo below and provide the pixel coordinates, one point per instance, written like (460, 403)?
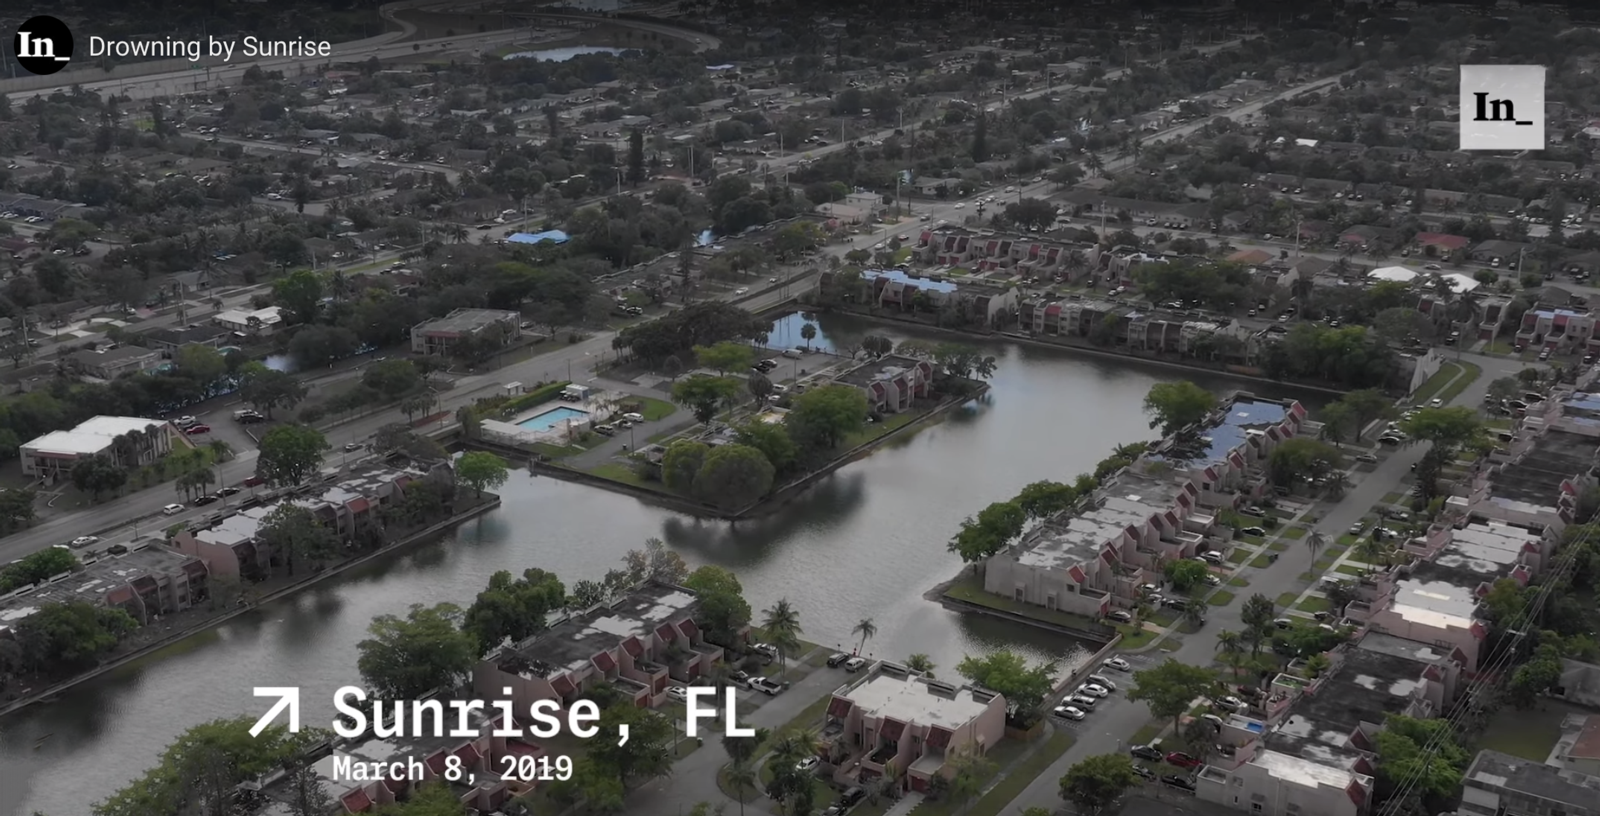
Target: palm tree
(920, 663)
(1315, 542)
(1231, 644)
(743, 779)
(1194, 612)
(808, 332)
(866, 629)
(782, 624)
(220, 451)
(1373, 552)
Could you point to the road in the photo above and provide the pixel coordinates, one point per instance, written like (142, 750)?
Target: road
(1107, 730)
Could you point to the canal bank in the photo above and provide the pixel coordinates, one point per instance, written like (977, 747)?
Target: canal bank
(488, 503)
(865, 542)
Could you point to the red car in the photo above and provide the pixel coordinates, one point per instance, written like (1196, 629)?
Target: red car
(1182, 760)
(197, 429)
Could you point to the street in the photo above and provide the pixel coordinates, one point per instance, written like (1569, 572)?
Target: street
(1107, 730)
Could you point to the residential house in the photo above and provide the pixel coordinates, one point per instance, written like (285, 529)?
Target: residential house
(638, 644)
(441, 336)
(1440, 245)
(933, 186)
(892, 383)
(251, 322)
(1500, 252)
(109, 364)
(130, 442)
(1559, 329)
(169, 340)
(1363, 237)
(1498, 784)
(145, 580)
(901, 725)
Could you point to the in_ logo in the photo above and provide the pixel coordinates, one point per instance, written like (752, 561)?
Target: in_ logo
(1502, 107)
(42, 45)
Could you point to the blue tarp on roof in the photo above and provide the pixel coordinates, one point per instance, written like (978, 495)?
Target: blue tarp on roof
(553, 236)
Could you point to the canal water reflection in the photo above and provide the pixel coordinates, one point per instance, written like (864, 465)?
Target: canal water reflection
(865, 543)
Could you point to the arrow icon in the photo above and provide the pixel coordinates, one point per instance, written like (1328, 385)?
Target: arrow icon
(288, 698)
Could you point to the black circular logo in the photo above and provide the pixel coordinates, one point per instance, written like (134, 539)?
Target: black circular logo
(43, 45)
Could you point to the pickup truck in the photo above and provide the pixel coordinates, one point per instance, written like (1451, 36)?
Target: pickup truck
(767, 687)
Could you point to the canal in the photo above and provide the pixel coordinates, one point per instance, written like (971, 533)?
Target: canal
(865, 543)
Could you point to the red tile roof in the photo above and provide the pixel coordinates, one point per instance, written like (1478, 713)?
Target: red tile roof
(633, 646)
(666, 632)
(839, 708)
(605, 662)
(892, 729)
(1077, 574)
(689, 630)
(357, 801)
(468, 754)
(563, 685)
(1588, 744)
(358, 504)
(436, 763)
(938, 738)
(396, 784)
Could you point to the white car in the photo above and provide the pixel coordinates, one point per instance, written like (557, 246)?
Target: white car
(1070, 713)
(1117, 663)
(84, 541)
(1436, 403)
(633, 417)
(185, 421)
(743, 290)
(172, 510)
(807, 765)
(1102, 681)
(1093, 690)
(1231, 703)
(678, 693)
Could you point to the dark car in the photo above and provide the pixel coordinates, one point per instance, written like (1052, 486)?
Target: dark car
(227, 491)
(1145, 752)
(1179, 782)
(849, 798)
(205, 500)
(837, 660)
(1144, 772)
(1182, 760)
(740, 679)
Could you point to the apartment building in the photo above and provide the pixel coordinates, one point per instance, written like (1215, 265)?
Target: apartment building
(130, 442)
(902, 725)
(1025, 256)
(1162, 506)
(892, 384)
(251, 322)
(146, 580)
(109, 364)
(637, 644)
(1498, 784)
(979, 303)
(440, 336)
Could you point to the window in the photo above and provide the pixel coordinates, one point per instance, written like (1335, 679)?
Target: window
(1255, 806)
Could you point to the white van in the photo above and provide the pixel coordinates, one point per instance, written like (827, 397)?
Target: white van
(793, 354)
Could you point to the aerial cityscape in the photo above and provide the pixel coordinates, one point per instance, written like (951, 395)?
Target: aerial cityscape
(712, 407)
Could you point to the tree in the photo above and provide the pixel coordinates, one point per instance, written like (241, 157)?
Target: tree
(704, 395)
(1257, 615)
(1174, 406)
(1421, 753)
(822, 418)
(1535, 677)
(781, 623)
(267, 388)
(1008, 673)
(1031, 212)
(808, 332)
(723, 610)
(877, 345)
(636, 157)
(512, 608)
(1170, 688)
(289, 454)
(1450, 428)
(1367, 406)
(300, 294)
(1096, 782)
(203, 364)
(733, 476)
(1186, 573)
(772, 440)
(866, 629)
(994, 528)
(405, 658)
(759, 387)
(655, 562)
(200, 771)
(65, 638)
(392, 378)
(481, 470)
(308, 796)
(681, 464)
(1040, 500)
(648, 751)
(98, 475)
(1302, 459)
(292, 532)
(725, 356)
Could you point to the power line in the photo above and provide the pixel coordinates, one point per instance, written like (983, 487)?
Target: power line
(1492, 676)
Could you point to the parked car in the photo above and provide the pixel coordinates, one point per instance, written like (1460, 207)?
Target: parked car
(1146, 752)
(1253, 531)
(1081, 701)
(205, 500)
(766, 649)
(1070, 713)
(1229, 702)
(196, 430)
(766, 686)
(1180, 782)
(807, 765)
(837, 659)
(84, 541)
(1117, 663)
(679, 693)
(851, 797)
(228, 491)
(351, 447)
(1142, 771)
(185, 421)
(1093, 690)
(1213, 719)
(1102, 680)
(740, 679)
(855, 664)
(1182, 760)
(172, 510)
(1120, 616)
(633, 417)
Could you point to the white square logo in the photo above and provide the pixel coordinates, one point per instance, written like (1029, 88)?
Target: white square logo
(1502, 107)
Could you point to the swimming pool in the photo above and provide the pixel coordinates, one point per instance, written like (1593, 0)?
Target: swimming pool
(552, 418)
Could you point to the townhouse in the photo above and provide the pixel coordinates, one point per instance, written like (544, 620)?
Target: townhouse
(892, 384)
(638, 644)
(146, 580)
(901, 725)
(1091, 558)
(978, 302)
(1021, 255)
(1558, 329)
(1150, 213)
(1156, 331)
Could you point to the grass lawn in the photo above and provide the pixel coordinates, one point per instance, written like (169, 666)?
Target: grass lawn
(1020, 776)
(1436, 383)
(1314, 603)
(1470, 373)
(1295, 533)
(1322, 565)
(1261, 561)
(1134, 638)
(654, 409)
(1238, 582)
(1348, 569)
(1278, 546)
(1147, 732)
(1007, 752)
(1171, 644)
(1348, 539)
(1238, 556)
(970, 590)
(618, 472)
(1287, 599)
(1527, 734)
(878, 430)
(1501, 347)
(1221, 597)
(1392, 498)
(556, 451)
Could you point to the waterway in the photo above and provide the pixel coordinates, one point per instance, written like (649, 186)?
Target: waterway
(865, 543)
(563, 54)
